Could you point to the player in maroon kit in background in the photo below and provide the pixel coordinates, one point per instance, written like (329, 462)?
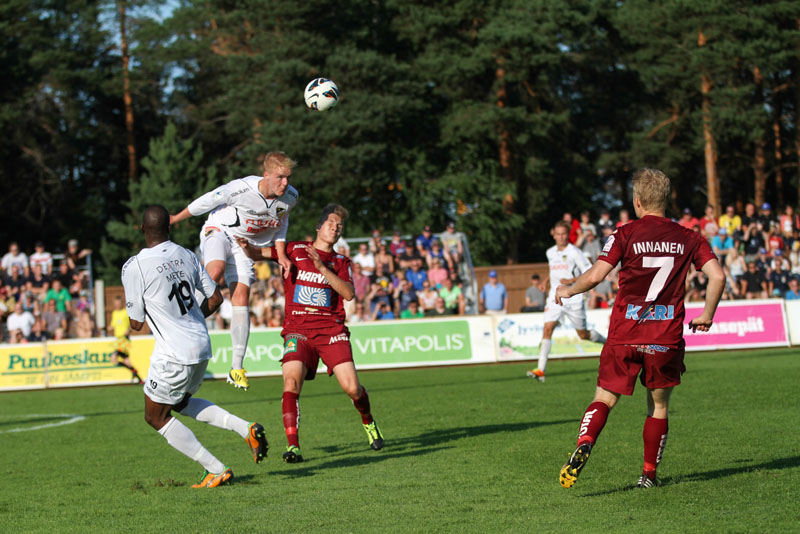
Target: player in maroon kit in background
(646, 328)
(319, 282)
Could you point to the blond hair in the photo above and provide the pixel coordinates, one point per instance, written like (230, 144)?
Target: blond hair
(653, 189)
(274, 160)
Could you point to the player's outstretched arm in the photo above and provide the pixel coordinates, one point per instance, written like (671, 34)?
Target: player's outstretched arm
(178, 217)
(716, 283)
(282, 259)
(585, 282)
(253, 252)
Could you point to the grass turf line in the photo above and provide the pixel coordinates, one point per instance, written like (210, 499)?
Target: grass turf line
(471, 449)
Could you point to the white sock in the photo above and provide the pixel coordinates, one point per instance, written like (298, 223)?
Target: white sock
(544, 351)
(208, 412)
(181, 438)
(596, 336)
(240, 331)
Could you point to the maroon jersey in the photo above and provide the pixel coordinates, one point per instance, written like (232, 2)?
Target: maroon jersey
(655, 254)
(311, 302)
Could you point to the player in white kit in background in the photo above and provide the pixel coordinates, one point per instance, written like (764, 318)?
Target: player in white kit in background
(255, 208)
(160, 284)
(567, 262)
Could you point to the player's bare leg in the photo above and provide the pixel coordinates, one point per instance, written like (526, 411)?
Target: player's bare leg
(654, 434)
(593, 335)
(294, 373)
(179, 436)
(592, 423)
(240, 332)
(346, 374)
(544, 351)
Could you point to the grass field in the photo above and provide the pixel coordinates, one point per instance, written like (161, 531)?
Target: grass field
(469, 449)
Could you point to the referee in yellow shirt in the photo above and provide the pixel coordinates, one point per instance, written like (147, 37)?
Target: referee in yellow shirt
(120, 327)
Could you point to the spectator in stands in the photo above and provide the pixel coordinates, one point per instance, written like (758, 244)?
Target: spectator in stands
(438, 253)
(736, 264)
(416, 276)
(20, 320)
(709, 224)
(688, 220)
(424, 241)
(258, 310)
(64, 274)
(793, 293)
(586, 226)
(42, 258)
(28, 301)
(59, 294)
(731, 289)
(453, 243)
(275, 317)
(274, 295)
(409, 257)
(722, 245)
(753, 282)
(412, 312)
(225, 311)
(574, 225)
(605, 221)
(38, 283)
(766, 216)
(53, 319)
(697, 284)
(439, 309)
(437, 273)
(38, 332)
(382, 312)
(361, 282)
(378, 294)
(384, 259)
(534, 295)
(375, 241)
(590, 246)
(763, 262)
(427, 297)
(754, 240)
(366, 259)
(397, 245)
(778, 281)
(452, 295)
(624, 217)
(341, 247)
(382, 276)
(774, 240)
(16, 336)
(789, 222)
(601, 295)
(16, 282)
(403, 296)
(750, 215)
(14, 257)
(84, 326)
(75, 255)
(730, 221)
(359, 314)
(494, 297)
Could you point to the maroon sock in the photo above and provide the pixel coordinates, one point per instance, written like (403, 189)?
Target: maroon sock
(654, 436)
(291, 416)
(362, 405)
(594, 419)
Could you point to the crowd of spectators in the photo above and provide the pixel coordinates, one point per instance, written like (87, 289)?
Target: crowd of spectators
(41, 300)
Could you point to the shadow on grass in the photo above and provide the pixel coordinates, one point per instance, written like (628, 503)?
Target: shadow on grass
(772, 465)
(421, 444)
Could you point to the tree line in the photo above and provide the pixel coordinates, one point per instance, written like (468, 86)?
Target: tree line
(499, 114)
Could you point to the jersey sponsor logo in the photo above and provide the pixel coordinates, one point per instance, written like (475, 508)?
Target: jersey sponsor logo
(651, 313)
(290, 346)
(312, 296)
(658, 246)
(279, 210)
(239, 192)
(337, 338)
(609, 244)
(210, 230)
(309, 276)
(651, 349)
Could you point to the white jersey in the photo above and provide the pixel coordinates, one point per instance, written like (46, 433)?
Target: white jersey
(564, 264)
(160, 284)
(45, 259)
(240, 210)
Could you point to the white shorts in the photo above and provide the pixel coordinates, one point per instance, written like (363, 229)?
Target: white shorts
(216, 244)
(168, 382)
(576, 314)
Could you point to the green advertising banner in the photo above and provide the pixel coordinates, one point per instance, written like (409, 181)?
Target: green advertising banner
(377, 344)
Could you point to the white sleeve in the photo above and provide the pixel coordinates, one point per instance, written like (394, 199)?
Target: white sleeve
(283, 228)
(581, 261)
(134, 290)
(205, 284)
(212, 199)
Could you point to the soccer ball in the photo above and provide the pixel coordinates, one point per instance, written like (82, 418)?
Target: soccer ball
(321, 94)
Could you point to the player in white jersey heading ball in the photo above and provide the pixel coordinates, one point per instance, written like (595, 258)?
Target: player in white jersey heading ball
(567, 263)
(255, 208)
(160, 286)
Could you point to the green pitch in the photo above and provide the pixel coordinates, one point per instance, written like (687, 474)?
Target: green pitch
(469, 449)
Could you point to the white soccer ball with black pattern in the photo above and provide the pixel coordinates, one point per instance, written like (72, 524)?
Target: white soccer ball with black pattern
(321, 94)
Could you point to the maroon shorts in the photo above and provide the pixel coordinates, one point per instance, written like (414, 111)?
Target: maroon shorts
(332, 346)
(657, 366)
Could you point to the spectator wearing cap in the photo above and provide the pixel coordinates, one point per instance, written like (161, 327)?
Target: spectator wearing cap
(763, 262)
(41, 257)
(766, 216)
(453, 242)
(722, 244)
(494, 297)
(687, 220)
(424, 241)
